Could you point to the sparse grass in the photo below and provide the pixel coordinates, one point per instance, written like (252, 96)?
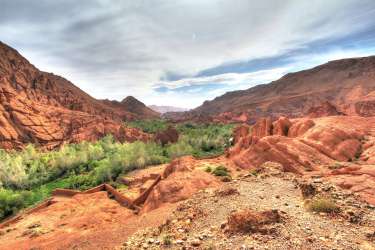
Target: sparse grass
(323, 205)
(336, 165)
(220, 171)
(255, 172)
(167, 240)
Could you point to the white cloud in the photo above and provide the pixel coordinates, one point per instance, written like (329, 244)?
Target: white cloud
(257, 77)
(113, 48)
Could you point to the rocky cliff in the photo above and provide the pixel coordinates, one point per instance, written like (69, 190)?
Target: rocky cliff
(48, 110)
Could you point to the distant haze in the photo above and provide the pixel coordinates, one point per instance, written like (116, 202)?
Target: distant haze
(165, 109)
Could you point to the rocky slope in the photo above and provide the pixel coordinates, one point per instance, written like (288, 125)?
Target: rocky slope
(190, 208)
(347, 84)
(45, 109)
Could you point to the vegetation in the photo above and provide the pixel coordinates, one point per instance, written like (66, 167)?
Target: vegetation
(149, 126)
(220, 171)
(30, 175)
(167, 240)
(323, 205)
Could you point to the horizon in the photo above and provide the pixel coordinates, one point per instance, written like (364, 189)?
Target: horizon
(148, 56)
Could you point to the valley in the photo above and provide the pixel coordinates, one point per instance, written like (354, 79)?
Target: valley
(284, 165)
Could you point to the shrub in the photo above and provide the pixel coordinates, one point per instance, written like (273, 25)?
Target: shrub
(323, 205)
(167, 240)
(11, 202)
(208, 169)
(220, 171)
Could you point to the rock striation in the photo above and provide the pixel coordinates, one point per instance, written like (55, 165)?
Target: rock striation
(340, 148)
(48, 110)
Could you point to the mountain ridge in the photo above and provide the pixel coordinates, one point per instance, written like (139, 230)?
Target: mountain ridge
(348, 84)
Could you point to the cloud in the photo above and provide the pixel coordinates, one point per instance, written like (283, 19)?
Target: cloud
(113, 48)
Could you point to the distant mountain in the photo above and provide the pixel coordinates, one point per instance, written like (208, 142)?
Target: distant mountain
(348, 85)
(45, 109)
(165, 109)
(134, 106)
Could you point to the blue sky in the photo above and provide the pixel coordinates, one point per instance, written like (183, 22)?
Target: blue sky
(184, 52)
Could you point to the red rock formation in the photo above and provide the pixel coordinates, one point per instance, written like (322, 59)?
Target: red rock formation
(47, 110)
(179, 182)
(263, 127)
(281, 126)
(170, 135)
(315, 145)
(240, 132)
(325, 109)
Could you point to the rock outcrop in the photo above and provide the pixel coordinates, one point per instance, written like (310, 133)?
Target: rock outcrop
(304, 146)
(47, 110)
(170, 135)
(325, 109)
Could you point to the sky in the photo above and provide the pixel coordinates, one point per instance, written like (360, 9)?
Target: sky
(183, 52)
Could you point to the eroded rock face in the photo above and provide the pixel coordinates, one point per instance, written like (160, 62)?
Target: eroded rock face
(315, 145)
(325, 109)
(179, 183)
(47, 110)
(263, 127)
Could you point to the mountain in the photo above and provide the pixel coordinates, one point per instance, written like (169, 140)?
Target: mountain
(165, 109)
(48, 110)
(134, 106)
(347, 84)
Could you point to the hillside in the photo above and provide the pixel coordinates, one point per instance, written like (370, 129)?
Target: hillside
(347, 84)
(45, 109)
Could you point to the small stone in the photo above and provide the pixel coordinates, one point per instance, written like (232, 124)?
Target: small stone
(179, 242)
(151, 241)
(195, 243)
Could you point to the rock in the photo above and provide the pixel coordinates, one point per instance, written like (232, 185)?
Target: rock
(226, 191)
(263, 127)
(251, 221)
(195, 242)
(281, 126)
(324, 109)
(307, 189)
(170, 135)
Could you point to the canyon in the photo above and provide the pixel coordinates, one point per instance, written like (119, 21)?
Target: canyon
(303, 140)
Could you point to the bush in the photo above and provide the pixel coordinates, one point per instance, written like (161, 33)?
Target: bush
(11, 202)
(167, 240)
(220, 171)
(323, 205)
